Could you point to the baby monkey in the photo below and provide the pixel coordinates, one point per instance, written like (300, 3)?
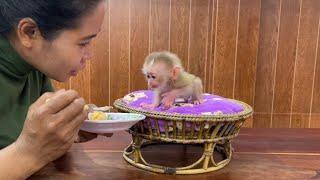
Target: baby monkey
(169, 81)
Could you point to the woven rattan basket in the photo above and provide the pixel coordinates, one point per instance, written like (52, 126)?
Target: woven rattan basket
(214, 132)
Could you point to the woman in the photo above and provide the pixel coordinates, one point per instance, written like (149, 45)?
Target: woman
(41, 40)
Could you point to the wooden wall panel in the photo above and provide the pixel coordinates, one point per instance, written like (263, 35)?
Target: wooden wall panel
(199, 29)
(213, 46)
(119, 49)
(210, 46)
(160, 20)
(263, 52)
(226, 39)
(267, 55)
(179, 29)
(290, 11)
(99, 65)
(139, 42)
(261, 120)
(247, 48)
(315, 106)
(305, 63)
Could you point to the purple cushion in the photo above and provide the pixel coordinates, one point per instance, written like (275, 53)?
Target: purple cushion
(212, 104)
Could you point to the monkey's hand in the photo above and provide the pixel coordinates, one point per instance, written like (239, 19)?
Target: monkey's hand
(168, 102)
(196, 102)
(148, 106)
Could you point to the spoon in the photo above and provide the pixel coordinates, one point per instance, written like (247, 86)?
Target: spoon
(93, 107)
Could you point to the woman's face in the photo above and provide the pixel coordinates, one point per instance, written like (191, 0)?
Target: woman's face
(68, 53)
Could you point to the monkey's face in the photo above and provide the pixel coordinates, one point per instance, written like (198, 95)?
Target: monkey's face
(152, 81)
(158, 77)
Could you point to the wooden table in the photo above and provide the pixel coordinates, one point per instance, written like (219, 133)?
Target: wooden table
(259, 154)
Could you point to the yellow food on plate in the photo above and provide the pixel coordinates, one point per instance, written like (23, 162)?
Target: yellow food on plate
(98, 115)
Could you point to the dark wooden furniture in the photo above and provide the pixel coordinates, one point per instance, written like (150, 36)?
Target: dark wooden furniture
(259, 154)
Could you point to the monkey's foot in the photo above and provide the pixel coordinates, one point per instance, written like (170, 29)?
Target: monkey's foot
(197, 102)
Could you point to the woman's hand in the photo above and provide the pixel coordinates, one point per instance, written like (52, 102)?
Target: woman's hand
(51, 127)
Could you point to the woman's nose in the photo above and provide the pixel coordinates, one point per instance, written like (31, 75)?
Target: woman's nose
(88, 55)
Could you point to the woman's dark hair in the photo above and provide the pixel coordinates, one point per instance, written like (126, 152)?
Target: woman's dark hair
(51, 16)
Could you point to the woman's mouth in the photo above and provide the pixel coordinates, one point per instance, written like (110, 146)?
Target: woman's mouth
(82, 66)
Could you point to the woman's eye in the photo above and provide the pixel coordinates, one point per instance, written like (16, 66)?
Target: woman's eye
(82, 44)
(153, 77)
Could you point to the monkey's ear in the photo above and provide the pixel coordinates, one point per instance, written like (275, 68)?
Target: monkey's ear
(176, 72)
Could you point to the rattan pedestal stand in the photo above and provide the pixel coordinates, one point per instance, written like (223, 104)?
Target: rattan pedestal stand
(214, 133)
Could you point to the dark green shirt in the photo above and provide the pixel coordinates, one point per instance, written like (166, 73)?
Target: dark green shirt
(20, 86)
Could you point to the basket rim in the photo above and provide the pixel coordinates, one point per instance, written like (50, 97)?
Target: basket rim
(247, 112)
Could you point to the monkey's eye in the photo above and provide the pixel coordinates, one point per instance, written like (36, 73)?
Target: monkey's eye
(151, 76)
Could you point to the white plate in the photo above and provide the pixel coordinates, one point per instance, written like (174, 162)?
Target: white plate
(118, 122)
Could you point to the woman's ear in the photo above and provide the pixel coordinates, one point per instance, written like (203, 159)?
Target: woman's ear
(175, 73)
(27, 32)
